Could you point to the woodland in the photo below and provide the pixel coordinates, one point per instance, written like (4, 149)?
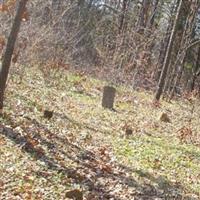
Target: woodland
(100, 99)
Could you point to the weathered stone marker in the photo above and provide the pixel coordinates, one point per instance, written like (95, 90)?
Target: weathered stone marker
(48, 114)
(108, 97)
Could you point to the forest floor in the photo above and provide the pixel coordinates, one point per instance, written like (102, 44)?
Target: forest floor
(82, 152)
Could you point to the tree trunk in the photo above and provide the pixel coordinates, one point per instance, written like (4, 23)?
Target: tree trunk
(123, 15)
(185, 41)
(164, 44)
(56, 5)
(10, 48)
(143, 15)
(168, 55)
(196, 70)
(153, 14)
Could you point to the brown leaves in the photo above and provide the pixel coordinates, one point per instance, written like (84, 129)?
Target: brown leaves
(32, 146)
(7, 6)
(189, 135)
(57, 64)
(4, 8)
(105, 167)
(2, 43)
(2, 140)
(190, 96)
(128, 131)
(31, 142)
(73, 174)
(157, 164)
(185, 134)
(156, 104)
(130, 128)
(25, 15)
(98, 168)
(15, 56)
(165, 118)
(1, 187)
(103, 162)
(74, 194)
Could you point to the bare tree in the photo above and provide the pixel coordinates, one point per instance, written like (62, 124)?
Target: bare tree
(143, 15)
(193, 6)
(168, 54)
(123, 14)
(10, 48)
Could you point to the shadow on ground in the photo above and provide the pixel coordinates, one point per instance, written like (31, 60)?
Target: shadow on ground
(100, 178)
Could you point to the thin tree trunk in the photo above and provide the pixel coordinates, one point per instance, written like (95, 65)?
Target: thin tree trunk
(168, 55)
(10, 48)
(164, 44)
(123, 15)
(153, 14)
(186, 40)
(143, 15)
(195, 73)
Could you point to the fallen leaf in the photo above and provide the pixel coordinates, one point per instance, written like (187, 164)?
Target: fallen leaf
(74, 194)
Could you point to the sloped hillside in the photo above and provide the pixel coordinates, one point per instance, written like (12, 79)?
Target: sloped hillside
(84, 151)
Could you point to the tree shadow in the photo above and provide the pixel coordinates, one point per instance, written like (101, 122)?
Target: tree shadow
(100, 178)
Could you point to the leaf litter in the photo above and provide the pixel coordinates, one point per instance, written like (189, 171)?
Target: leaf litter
(82, 151)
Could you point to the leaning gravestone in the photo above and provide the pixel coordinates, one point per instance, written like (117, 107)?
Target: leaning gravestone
(108, 97)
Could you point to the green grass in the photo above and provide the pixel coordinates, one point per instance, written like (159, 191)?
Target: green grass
(175, 161)
(154, 154)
